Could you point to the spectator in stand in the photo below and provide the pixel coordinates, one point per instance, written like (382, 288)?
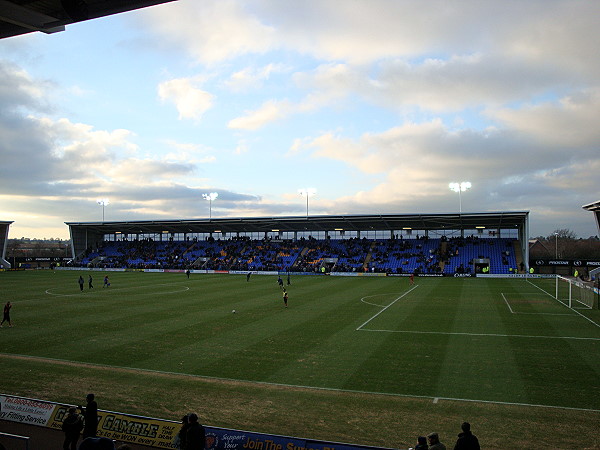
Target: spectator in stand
(434, 442)
(195, 437)
(72, 426)
(466, 440)
(421, 443)
(90, 414)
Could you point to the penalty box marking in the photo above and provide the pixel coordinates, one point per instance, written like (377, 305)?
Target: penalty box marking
(448, 333)
(532, 313)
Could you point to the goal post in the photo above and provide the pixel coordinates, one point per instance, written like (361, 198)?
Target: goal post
(575, 294)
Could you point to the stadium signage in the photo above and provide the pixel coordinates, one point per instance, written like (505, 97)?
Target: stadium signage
(156, 433)
(566, 262)
(25, 410)
(23, 259)
(462, 275)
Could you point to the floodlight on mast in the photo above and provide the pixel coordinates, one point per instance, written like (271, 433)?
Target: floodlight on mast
(460, 187)
(103, 202)
(210, 197)
(307, 192)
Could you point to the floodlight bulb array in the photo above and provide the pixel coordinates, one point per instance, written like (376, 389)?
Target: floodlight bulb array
(211, 196)
(103, 201)
(307, 192)
(460, 187)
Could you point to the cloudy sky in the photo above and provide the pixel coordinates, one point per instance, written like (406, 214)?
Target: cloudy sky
(377, 104)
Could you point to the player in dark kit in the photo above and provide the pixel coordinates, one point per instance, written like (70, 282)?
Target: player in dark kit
(6, 314)
(80, 283)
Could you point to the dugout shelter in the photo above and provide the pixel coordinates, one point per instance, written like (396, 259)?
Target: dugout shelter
(507, 224)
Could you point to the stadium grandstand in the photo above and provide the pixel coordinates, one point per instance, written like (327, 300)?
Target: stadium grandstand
(425, 244)
(595, 208)
(4, 227)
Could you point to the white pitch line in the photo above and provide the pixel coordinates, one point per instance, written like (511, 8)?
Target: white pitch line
(537, 287)
(376, 295)
(566, 306)
(507, 304)
(297, 386)
(448, 333)
(386, 307)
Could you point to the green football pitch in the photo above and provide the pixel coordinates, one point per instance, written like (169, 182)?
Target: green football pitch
(465, 341)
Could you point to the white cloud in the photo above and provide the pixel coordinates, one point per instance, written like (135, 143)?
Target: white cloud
(383, 99)
(19, 88)
(253, 78)
(365, 31)
(212, 31)
(191, 102)
(270, 111)
(570, 122)
(189, 153)
(416, 161)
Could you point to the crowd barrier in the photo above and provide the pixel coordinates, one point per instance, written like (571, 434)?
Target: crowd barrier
(8, 437)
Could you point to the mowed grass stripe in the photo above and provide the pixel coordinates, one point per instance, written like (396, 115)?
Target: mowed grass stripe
(316, 349)
(540, 376)
(138, 322)
(488, 363)
(269, 343)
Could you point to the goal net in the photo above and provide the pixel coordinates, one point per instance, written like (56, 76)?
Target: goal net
(575, 293)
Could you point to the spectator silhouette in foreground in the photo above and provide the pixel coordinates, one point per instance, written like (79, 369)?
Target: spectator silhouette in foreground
(466, 440)
(72, 426)
(90, 414)
(434, 442)
(195, 437)
(421, 443)
(179, 441)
